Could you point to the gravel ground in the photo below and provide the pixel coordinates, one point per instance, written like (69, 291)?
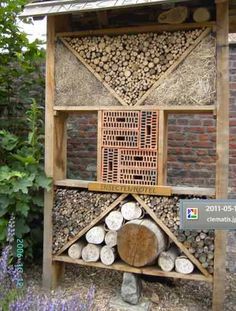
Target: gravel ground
(165, 294)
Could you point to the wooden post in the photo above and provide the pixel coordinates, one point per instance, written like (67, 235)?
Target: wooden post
(55, 153)
(162, 148)
(222, 145)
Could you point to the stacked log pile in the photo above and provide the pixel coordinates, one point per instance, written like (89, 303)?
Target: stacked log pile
(200, 243)
(127, 232)
(73, 210)
(131, 64)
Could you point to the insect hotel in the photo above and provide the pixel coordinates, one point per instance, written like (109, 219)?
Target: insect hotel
(132, 63)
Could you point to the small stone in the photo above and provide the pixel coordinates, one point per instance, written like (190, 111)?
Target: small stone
(131, 288)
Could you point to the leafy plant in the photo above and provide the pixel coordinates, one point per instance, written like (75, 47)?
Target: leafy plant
(22, 180)
(21, 70)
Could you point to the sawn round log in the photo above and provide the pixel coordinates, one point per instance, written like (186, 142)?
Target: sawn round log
(139, 242)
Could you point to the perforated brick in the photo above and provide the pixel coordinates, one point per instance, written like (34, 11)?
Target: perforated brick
(109, 165)
(149, 129)
(138, 176)
(120, 138)
(138, 158)
(129, 147)
(121, 119)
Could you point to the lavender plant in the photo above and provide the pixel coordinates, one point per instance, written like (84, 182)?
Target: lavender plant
(15, 299)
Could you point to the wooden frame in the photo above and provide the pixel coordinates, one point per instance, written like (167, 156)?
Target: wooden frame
(55, 149)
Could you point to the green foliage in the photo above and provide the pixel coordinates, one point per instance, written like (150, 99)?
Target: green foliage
(21, 74)
(21, 179)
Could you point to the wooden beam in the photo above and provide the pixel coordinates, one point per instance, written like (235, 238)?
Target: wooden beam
(222, 145)
(49, 139)
(136, 29)
(60, 147)
(99, 144)
(170, 109)
(175, 65)
(121, 266)
(162, 148)
(52, 272)
(76, 183)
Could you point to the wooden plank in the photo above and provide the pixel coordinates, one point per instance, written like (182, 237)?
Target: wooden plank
(73, 183)
(136, 29)
(102, 17)
(170, 109)
(76, 183)
(172, 236)
(222, 146)
(52, 272)
(139, 189)
(194, 191)
(174, 66)
(121, 266)
(162, 148)
(60, 148)
(49, 139)
(94, 72)
(99, 145)
(93, 223)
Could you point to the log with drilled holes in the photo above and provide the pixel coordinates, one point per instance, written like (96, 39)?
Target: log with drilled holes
(201, 15)
(175, 15)
(91, 252)
(183, 265)
(166, 259)
(95, 235)
(139, 242)
(75, 250)
(111, 238)
(130, 211)
(114, 220)
(197, 242)
(107, 255)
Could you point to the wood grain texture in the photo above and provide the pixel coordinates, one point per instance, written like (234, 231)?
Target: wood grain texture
(121, 266)
(54, 167)
(222, 146)
(137, 245)
(171, 109)
(135, 29)
(162, 150)
(76, 183)
(49, 273)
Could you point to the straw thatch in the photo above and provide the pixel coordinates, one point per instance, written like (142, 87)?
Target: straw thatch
(193, 82)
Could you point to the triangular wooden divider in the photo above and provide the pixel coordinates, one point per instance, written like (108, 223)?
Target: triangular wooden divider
(174, 66)
(153, 216)
(122, 102)
(93, 223)
(172, 236)
(186, 77)
(159, 80)
(75, 85)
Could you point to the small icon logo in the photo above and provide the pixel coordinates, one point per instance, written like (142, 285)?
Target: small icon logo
(192, 213)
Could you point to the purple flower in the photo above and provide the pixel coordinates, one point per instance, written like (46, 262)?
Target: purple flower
(11, 229)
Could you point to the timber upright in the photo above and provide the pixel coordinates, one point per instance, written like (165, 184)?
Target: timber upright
(99, 60)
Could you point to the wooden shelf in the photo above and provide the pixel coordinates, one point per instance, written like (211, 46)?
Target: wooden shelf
(169, 109)
(136, 29)
(121, 266)
(76, 183)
